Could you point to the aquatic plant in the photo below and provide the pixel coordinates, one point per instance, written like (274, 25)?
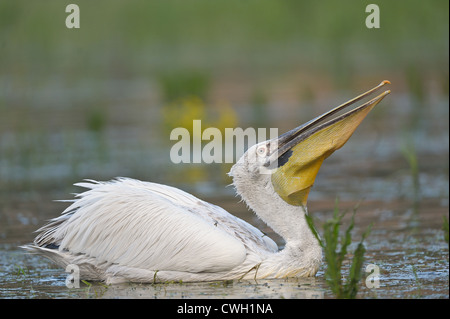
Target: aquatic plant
(348, 288)
(183, 83)
(445, 228)
(417, 280)
(410, 154)
(96, 119)
(21, 272)
(98, 290)
(259, 104)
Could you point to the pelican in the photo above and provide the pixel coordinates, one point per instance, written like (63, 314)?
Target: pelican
(127, 230)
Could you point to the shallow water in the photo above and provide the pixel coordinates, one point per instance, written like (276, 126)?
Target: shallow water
(408, 247)
(406, 241)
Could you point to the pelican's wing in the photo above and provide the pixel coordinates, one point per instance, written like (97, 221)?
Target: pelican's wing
(251, 236)
(144, 225)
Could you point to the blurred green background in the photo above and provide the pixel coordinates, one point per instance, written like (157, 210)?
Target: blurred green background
(99, 101)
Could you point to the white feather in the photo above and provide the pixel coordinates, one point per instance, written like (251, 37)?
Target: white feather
(133, 226)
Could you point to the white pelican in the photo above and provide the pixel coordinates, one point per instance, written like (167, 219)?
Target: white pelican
(126, 230)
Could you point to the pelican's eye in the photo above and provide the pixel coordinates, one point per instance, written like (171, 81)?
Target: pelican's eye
(261, 151)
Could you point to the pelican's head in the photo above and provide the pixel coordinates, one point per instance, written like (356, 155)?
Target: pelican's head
(288, 165)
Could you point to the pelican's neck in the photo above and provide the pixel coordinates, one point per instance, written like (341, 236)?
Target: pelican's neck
(286, 220)
(302, 254)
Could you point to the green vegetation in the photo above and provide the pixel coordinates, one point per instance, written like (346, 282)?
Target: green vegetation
(418, 293)
(348, 288)
(410, 155)
(445, 228)
(22, 272)
(96, 120)
(98, 289)
(182, 84)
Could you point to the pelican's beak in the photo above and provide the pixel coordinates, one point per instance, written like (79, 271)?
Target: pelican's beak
(301, 151)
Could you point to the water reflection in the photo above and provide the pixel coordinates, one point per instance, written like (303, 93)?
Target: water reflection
(284, 289)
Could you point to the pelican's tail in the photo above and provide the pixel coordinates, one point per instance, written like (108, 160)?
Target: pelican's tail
(53, 254)
(86, 267)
